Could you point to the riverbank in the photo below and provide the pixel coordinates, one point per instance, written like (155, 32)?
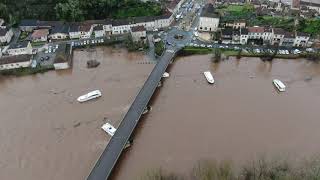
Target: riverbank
(189, 50)
(26, 71)
(260, 169)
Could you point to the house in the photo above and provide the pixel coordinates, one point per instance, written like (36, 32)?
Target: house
(226, 35)
(28, 25)
(301, 39)
(255, 32)
(236, 24)
(121, 26)
(40, 35)
(74, 32)
(311, 5)
(288, 39)
(295, 4)
(209, 20)
(62, 59)
(20, 48)
(5, 35)
(14, 62)
(99, 31)
(107, 26)
(244, 36)
(85, 31)
(59, 32)
(278, 36)
(236, 36)
(267, 35)
(163, 21)
(138, 33)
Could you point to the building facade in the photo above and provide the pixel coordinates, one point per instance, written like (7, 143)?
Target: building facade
(5, 35)
(20, 48)
(14, 62)
(209, 20)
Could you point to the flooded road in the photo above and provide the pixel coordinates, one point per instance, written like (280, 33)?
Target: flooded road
(239, 118)
(45, 134)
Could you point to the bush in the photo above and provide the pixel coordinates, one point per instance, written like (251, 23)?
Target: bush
(159, 48)
(26, 71)
(187, 51)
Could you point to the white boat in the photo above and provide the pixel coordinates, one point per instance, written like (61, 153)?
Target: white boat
(108, 128)
(165, 75)
(89, 96)
(209, 77)
(279, 85)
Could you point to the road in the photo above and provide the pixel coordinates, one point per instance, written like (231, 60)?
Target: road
(103, 167)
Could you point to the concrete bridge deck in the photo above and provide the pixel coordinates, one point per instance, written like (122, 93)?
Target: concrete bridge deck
(108, 159)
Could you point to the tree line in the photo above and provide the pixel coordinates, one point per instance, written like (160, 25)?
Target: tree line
(75, 10)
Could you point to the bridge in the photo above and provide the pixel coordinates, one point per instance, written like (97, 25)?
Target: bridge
(108, 159)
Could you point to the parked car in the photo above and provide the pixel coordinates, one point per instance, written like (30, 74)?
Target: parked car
(42, 59)
(196, 34)
(209, 46)
(202, 45)
(47, 58)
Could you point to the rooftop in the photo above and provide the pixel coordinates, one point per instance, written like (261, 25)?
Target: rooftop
(256, 29)
(60, 29)
(98, 28)
(244, 31)
(278, 31)
(19, 45)
(137, 28)
(310, 3)
(208, 11)
(29, 22)
(15, 59)
(40, 33)
(3, 31)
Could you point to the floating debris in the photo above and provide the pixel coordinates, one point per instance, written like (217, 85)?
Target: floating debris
(93, 63)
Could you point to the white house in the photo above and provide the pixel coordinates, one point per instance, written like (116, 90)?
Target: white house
(311, 5)
(59, 32)
(99, 31)
(17, 61)
(244, 36)
(288, 39)
(85, 31)
(107, 26)
(121, 26)
(5, 35)
(40, 35)
(74, 32)
(301, 39)
(209, 21)
(138, 33)
(255, 32)
(163, 21)
(20, 48)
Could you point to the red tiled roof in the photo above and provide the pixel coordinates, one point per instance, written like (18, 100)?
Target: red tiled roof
(40, 33)
(256, 29)
(137, 28)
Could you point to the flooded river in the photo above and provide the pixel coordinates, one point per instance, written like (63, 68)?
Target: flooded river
(46, 134)
(240, 118)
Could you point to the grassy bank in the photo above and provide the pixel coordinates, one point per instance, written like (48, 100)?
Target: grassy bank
(26, 71)
(189, 50)
(261, 169)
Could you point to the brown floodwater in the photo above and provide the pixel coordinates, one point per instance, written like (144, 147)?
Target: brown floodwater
(45, 134)
(239, 118)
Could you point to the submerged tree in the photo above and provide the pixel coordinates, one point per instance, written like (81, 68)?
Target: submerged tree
(216, 55)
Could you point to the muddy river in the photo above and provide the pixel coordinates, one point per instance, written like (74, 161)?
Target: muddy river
(46, 134)
(241, 117)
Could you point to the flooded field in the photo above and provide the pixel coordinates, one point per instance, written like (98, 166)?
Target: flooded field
(45, 134)
(239, 118)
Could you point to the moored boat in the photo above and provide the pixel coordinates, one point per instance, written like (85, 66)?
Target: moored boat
(209, 77)
(108, 128)
(89, 96)
(279, 85)
(165, 75)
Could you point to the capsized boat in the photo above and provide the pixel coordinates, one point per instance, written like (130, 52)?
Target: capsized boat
(209, 77)
(279, 85)
(89, 96)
